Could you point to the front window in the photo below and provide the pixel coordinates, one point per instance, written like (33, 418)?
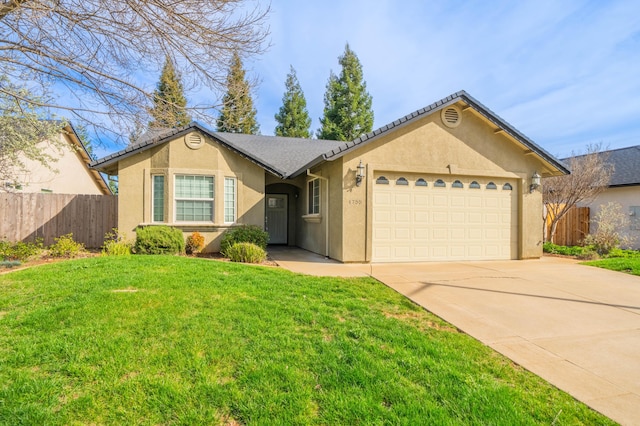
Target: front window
(229, 200)
(194, 198)
(158, 198)
(314, 196)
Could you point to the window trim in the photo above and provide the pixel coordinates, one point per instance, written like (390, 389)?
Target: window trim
(211, 200)
(153, 198)
(235, 199)
(314, 193)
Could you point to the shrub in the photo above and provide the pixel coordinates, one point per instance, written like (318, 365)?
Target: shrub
(9, 263)
(65, 246)
(246, 253)
(21, 251)
(116, 244)
(244, 234)
(195, 243)
(610, 220)
(159, 239)
(565, 250)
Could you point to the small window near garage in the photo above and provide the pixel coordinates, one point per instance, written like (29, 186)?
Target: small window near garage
(457, 184)
(491, 185)
(507, 187)
(421, 182)
(402, 181)
(474, 185)
(634, 218)
(314, 196)
(439, 183)
(382, 181)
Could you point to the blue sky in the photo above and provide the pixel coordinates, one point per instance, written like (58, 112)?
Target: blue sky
(565, 73)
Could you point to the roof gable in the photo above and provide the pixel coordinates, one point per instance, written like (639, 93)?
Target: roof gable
(281, 156)
(463, 96)
(79, 147)
(289, 157)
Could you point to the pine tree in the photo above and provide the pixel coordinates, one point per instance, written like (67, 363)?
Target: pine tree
(238, 114)
(169, 103)
(293, 118)
(347, 104)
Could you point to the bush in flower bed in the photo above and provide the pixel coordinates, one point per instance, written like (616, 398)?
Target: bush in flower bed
(244, 234)
(195, 243)
(246, 253)
(20, 251)
(159, 239)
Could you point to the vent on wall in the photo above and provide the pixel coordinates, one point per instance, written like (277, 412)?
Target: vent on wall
(194, 140)
(451, 116)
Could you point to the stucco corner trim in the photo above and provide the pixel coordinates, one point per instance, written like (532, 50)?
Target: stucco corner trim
(312, 218)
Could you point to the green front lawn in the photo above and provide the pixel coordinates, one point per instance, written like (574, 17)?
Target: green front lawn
(175, 340)
(630, 265)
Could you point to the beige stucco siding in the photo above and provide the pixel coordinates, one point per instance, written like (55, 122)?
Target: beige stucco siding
(68, 172)
(627, 197)
(427, 146)
(176, 158)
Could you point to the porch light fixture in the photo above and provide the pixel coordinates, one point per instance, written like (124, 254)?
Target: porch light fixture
(359, 173)
(535, 182)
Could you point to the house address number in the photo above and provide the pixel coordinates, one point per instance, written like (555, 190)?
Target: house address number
(355, 202)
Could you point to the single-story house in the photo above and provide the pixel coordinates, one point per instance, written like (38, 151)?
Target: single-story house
(624, 188)
(451, 181)
(69, 173)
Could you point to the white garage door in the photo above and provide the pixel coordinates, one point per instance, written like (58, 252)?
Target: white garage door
(440, 218)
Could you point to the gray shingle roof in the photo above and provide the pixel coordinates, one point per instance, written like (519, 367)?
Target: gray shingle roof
(279, 155)
(626, 166)
(288, 157)
(626, 163)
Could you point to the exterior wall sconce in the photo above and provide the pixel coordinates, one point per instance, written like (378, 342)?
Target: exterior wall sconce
(359, 174)
(535, 182)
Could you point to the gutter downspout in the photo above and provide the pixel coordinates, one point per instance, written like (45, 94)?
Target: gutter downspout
(326, 248)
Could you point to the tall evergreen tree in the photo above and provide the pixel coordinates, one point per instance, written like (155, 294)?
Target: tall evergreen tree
(347, 104)
(169, 103)
(238, 113)
(293, 118)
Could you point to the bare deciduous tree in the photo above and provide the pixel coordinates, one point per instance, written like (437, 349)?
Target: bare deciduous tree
(100, 51)
(590, 175)
(25, 135)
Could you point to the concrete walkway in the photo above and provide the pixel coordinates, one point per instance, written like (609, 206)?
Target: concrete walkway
(578, 327)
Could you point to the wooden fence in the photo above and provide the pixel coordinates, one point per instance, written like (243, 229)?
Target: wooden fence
(573, 227)
(25, 217)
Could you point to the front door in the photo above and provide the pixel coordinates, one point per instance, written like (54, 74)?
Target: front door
(276, 218)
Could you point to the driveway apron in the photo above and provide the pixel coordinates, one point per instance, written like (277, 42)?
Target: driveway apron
(578, 327)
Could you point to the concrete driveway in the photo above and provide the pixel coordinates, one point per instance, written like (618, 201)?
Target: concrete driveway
(578, 327)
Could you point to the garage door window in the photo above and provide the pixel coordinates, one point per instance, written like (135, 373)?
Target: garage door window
(507, 187)
(439, 184)
(382, 181)
(457, 184)
(421, 182)
(474, 185)
(402, 181)
(491, 185)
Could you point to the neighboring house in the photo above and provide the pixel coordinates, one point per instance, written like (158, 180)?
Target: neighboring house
(451, 181)
(624, 188)
(69, 174)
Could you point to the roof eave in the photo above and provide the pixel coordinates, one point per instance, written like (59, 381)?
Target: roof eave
(443, 103)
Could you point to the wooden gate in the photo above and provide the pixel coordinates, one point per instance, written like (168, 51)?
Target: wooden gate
(573, 227)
